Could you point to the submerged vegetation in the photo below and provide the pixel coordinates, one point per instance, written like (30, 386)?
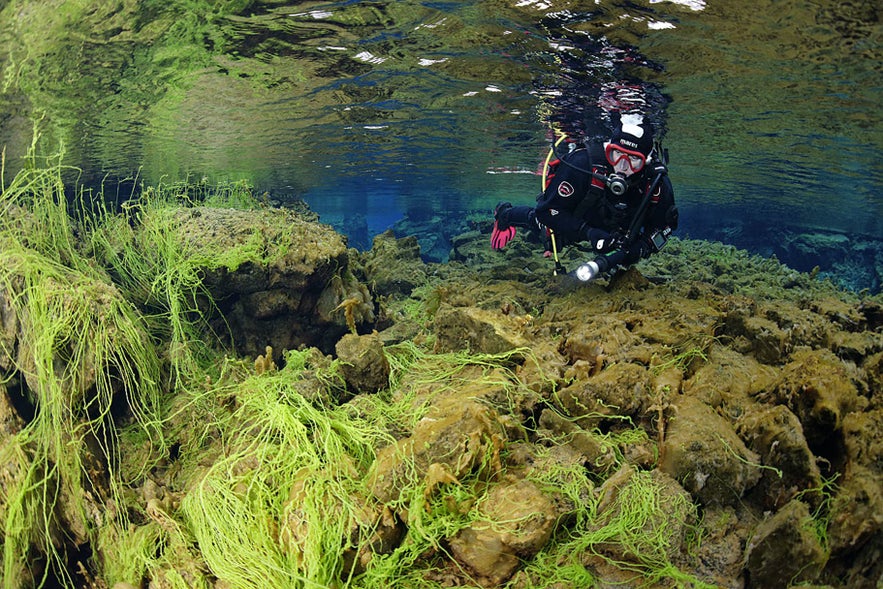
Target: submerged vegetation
(140, 446)
(270, 488)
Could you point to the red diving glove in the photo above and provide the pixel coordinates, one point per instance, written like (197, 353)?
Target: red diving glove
(500, 237)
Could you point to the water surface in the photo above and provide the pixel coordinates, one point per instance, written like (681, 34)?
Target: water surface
(389, 112)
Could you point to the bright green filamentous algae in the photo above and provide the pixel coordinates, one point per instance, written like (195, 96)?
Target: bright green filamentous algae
(269, 483)
(287, 494)
(79, 346)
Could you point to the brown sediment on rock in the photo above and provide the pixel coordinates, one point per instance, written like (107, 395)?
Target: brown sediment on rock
(668, 426)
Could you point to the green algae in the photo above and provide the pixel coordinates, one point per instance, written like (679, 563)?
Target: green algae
(284, 492)
(269, 481)
(83, 351)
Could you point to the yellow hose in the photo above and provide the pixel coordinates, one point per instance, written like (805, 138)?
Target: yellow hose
(545, 175)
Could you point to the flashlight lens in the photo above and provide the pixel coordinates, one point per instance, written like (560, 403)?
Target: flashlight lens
(587, 271)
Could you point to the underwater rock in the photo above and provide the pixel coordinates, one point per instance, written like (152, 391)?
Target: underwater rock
(857, 508)
(785, 549)
(776, 435)
(10, 421)
(721, 551)
(874, 372)
(636, 505)
(470, 328)
(9, 330)
(597, 454)
(702, 451)
(516, 520)
(393, 266)
(363, 363)
(728, 381)
(816, 386)
(666, 365)
(603, 339)
(276, 278)
(621, 389)
(630, 279)
(872, 311)
(457, 435)
(765, 340)
(856, 513)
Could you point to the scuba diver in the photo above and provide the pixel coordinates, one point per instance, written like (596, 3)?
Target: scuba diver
(615, 196)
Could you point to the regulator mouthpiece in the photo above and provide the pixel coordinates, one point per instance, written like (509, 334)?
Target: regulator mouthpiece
(587, 271)
(617, 184)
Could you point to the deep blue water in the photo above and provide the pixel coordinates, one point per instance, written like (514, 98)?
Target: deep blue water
(416, 115)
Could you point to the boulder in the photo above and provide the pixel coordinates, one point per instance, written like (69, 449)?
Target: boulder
(635, 506)
(621, 389)
(857, 508)
(455, 437)
(516, 520)
(597, 453)
(10, 420)
(9, 329)
(702, 451)
(775, 434)
(275, 277)
(363, 362)
(471, 328)
(394, 266)
(817, 388)
(785, 549)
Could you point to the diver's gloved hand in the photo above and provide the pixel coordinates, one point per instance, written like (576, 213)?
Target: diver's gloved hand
(659, 169)
(599, 239)
(502, 232)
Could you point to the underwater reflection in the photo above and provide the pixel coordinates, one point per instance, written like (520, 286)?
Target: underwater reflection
(442, 108)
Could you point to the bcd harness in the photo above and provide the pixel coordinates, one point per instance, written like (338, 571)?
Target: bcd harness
(652, 194)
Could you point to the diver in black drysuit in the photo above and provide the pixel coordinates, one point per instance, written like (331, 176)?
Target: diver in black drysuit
(595, 194)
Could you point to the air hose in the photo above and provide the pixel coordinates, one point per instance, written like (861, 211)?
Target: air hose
(558, 266)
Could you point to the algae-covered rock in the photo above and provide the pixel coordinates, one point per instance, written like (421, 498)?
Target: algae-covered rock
(515, 521)
(457, 434)
(269, 471)
(816, 386)
(9, 329)
(766, 341)
(363, 363)
(729, 381)
(874, 370)
(470, 328)
(393, 266)
(856, 512)
(597, 453)
(702, 451)
(604, 338)
(777, 436)
(857, 508)
(10, 420)
(622, 389)
(277, 278)
(785, 549)
(634, 507)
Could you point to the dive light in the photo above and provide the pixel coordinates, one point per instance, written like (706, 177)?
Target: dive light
(587, 271)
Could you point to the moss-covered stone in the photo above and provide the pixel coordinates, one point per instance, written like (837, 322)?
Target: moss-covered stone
(785, 549)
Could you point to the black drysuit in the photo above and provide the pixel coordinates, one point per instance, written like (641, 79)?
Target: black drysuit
(578, 207)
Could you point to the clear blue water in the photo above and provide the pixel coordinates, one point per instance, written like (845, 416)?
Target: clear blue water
(413, 115)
